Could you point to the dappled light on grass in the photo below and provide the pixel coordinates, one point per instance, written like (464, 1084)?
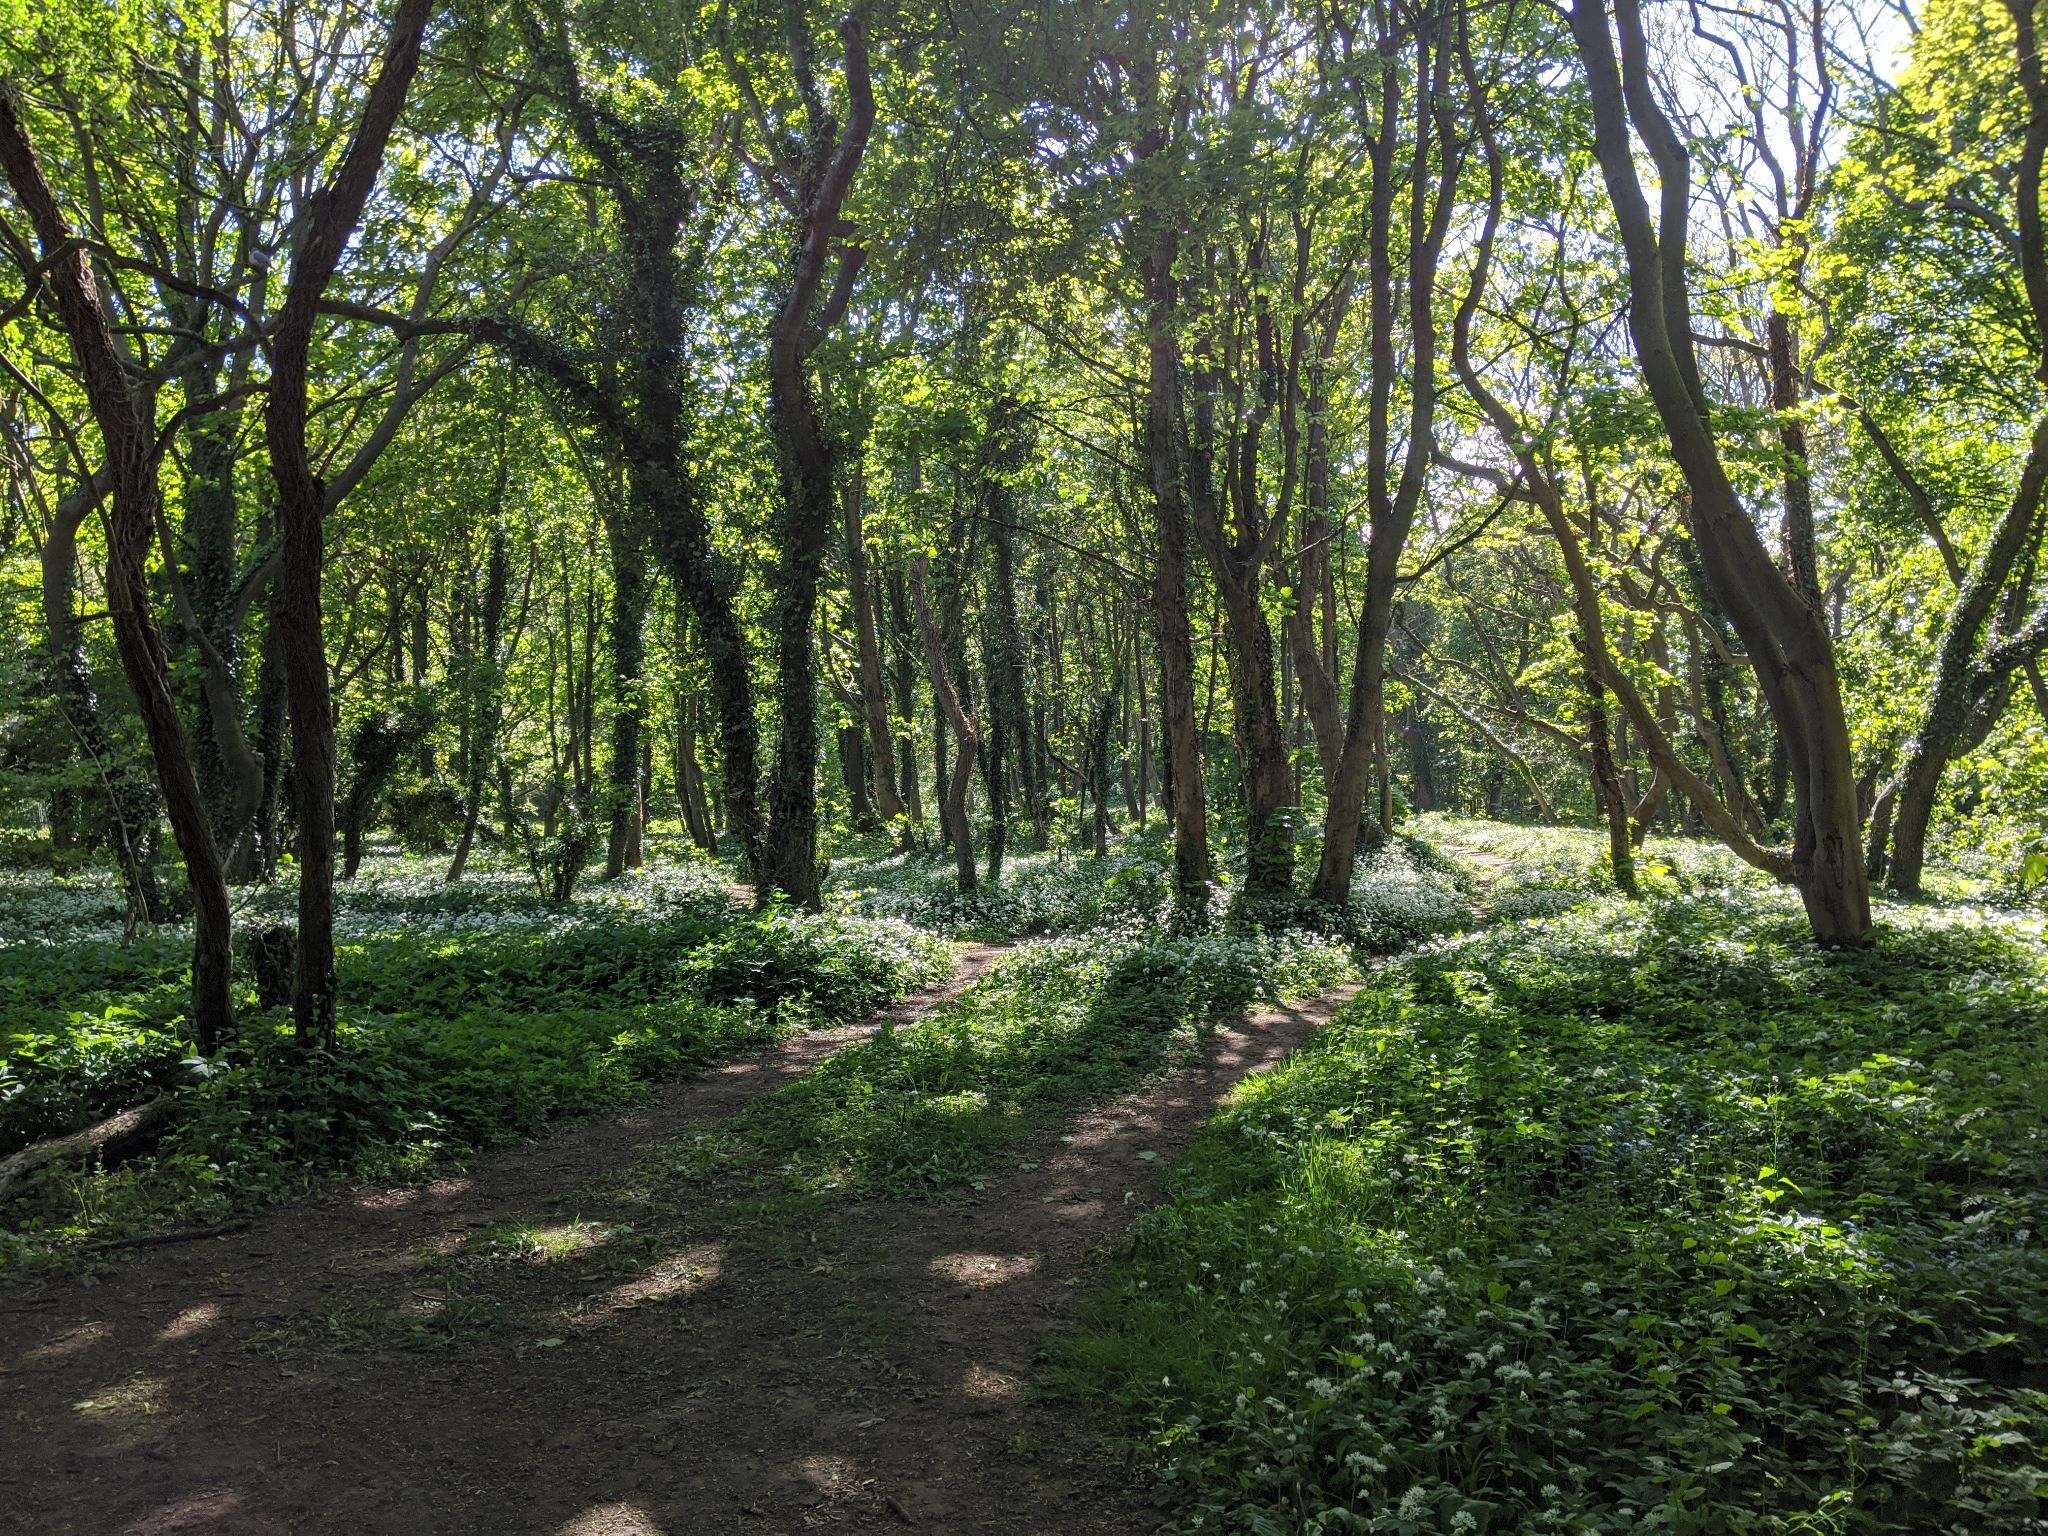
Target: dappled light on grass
(925, 1108)
(471, 1016)
(619, 1519)
(541, 1245)
(978, 1271)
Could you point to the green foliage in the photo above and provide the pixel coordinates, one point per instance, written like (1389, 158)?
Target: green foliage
(1649, 1216)
(1552, 869)
(829, 968)
(426, 816)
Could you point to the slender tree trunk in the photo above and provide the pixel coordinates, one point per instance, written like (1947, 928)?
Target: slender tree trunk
(995, 762)
(1192, 871)
(965, 732)
(853, 773)
(874, 700)
(1004, 452)
(808, 453)
(325, 224)
(487, 689)
(1786, 637)
(903, 641)
(127, 429)
(629, 657)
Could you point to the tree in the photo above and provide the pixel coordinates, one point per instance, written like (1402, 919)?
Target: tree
(325, 223)
(1786, 635)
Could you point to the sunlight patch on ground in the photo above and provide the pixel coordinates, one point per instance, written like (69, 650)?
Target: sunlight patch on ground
(981, 1270)
(987, 1386)
(611, 1520)
(196, 1512)
(399, 1199)
(72, 1341)
(540, 1245)
(190, 1323)
(677, 1275)
(126, 1399)
(831, 1475)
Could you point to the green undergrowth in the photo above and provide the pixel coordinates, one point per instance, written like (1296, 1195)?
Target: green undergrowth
(1644, 1217)
(1057, 890)
(1551, 869)
(1403, 893)
(459, 1029)
(1067, 1022)
(924, 1108)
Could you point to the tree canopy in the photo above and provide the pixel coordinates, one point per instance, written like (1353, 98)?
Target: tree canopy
(1002, 424)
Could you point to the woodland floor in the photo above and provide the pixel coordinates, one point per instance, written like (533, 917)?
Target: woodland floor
(379, 1362)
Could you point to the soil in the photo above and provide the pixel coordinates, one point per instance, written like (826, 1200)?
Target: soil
(648, 1365)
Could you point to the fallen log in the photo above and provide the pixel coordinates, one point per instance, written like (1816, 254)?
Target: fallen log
(117, 1134)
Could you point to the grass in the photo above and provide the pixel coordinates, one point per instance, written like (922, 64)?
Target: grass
(1632, 1217)
(923, 1109)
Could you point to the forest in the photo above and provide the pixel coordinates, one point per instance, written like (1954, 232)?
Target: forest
(1232, 766)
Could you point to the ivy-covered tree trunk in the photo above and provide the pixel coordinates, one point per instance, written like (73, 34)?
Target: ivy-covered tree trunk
(807, 450)
(629, 654)
(210, 602)
(1004, 451)
(1192, 871)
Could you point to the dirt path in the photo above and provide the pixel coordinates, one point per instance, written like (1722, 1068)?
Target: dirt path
(752, 1364)
(1486, 868)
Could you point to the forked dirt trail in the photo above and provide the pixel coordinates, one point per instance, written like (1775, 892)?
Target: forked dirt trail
(750, 1365)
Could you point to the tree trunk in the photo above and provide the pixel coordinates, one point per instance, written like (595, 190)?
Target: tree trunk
(486, 683)
(964, 729)
(853, 773)
(127, 430)
(807, 454)
(1786, 637)
(1192, 871)
(874, 701)
(995, 761)
(326, 221)
(903, 641)
(690, 778)
(1004, 452)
